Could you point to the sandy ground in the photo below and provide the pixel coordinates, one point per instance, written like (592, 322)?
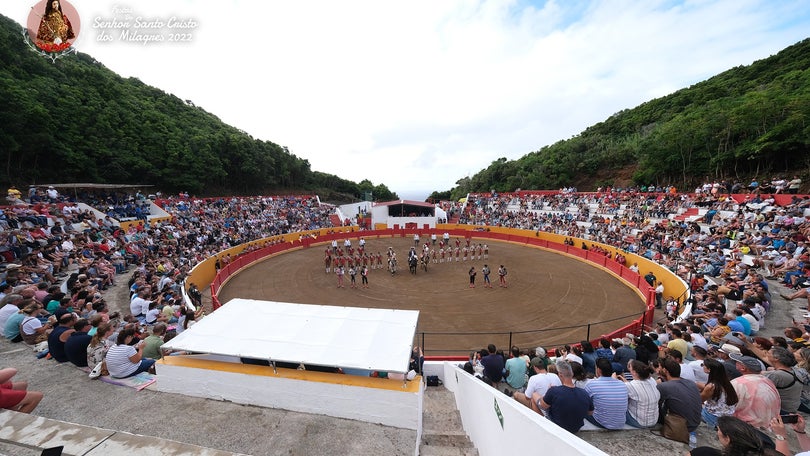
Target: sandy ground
(545, 290)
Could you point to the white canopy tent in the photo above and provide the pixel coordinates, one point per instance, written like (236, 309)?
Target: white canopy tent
(346, 337)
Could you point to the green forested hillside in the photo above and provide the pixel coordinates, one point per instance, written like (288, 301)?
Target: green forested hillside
(76, 121)
(751, 121)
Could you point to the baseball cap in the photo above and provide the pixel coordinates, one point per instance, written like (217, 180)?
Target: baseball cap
(538, 362)
(749, 362)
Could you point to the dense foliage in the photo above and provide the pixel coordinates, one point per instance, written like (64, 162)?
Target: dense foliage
(73, 120)
(76, 121)
(750, 121)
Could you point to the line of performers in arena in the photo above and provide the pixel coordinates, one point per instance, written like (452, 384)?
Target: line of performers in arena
(350, 257)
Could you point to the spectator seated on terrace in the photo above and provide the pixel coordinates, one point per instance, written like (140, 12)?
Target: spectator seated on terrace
(609, 397)
(538, 384)
(15, 395)
(566, 405)
(123, 360)
(679, 396)
(59, 335)
(643, 396)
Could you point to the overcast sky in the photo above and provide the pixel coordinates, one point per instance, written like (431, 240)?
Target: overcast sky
(419, 94)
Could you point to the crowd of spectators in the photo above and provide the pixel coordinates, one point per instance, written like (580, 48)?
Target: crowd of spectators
(723, 254)
(703, 363)
(57, 260)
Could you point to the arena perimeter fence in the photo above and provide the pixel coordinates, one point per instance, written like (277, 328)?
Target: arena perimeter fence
(446, 343)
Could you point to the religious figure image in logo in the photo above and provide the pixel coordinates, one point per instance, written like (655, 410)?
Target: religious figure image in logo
(51, 25)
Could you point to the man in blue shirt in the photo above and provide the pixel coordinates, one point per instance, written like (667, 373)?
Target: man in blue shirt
(493, 366)
(609, 397)
(566, 405)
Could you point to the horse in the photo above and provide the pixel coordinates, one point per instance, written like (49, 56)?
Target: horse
(412, 262)
(424, 261)
(392, 265)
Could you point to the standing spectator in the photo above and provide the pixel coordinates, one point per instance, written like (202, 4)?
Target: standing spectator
(659, 295)
(609, 397)
(195, 295)
(53, 194)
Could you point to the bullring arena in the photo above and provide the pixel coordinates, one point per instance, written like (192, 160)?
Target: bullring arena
(545, 290)
(556, 294)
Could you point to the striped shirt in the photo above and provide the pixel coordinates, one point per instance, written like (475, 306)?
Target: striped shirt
(642, 401)
(609, 401)
(118, 362)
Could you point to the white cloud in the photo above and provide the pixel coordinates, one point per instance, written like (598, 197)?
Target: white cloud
(419, 94)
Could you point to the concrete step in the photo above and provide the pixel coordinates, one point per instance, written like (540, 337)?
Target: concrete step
(427, 450)
(439, 411)
(443, 433)
(456, 439)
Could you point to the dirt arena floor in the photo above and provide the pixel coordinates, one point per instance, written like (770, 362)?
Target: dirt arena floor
(545, 291)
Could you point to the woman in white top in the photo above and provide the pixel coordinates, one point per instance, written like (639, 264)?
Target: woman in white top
(642, 395)
(124, 360)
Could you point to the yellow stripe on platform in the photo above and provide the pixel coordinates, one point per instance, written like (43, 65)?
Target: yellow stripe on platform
(194, 362)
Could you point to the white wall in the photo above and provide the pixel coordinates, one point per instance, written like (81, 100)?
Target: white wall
(477, 404)
(395, 408)
(420, 221)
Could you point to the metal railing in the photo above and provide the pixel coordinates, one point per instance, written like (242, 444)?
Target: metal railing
(435, 343)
